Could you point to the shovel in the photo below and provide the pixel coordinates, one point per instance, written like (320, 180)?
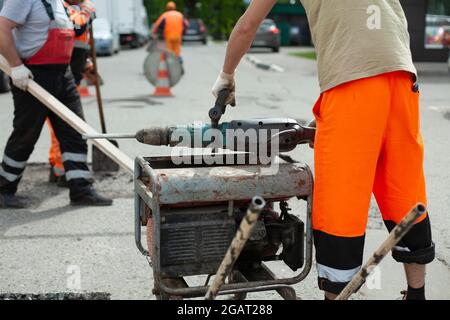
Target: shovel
(100, 162)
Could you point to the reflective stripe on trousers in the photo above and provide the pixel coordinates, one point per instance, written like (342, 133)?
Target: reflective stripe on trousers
(9, 176)
(78, 174)
(11, 169)
(73, 171)
(336, 275)
(75, 157)
(13, 163)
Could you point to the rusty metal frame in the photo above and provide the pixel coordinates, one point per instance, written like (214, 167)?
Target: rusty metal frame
(147, 194)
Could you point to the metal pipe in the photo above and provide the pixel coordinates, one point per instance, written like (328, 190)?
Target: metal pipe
(288, 289)
(109, 136)
(236, 247)
(394, 237)
(137, 208)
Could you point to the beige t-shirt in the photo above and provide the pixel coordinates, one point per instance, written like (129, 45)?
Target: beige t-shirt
(357, 39)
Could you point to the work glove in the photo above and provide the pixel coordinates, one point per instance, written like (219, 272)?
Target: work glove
(21, 76)
(88, 8)
(225, 81)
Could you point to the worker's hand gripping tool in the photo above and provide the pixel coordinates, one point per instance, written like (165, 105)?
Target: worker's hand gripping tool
(215, 114)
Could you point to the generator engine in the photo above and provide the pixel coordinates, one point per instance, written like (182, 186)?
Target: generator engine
(195, 240)
(273, 232)
(192, 212)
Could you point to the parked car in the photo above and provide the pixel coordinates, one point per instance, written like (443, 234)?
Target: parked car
(299, 35)
(196, 31)
(268, 36)
(4, 82)
(106, 42)
(448, 63)
(435, 31)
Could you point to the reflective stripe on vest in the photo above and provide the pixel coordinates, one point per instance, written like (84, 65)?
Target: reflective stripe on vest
(82, 45)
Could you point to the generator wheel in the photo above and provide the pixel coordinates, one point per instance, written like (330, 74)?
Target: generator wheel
(237, 277)
(169, 282)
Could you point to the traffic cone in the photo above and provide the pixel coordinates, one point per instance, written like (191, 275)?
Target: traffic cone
(163, 82)
(83, 89)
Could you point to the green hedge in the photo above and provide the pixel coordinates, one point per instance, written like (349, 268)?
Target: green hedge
(220, 16)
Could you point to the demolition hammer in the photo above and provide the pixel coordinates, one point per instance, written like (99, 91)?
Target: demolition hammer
(239, 135)
(273, 135)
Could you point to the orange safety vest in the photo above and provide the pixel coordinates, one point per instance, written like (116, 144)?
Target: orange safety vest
(81, 16)
(174, 24)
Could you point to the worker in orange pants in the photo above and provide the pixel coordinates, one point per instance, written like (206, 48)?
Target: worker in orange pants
(173, 24)
(57, 173)
(368, 141)
(368, 132)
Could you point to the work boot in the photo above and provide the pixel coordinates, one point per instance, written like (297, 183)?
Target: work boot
(60, 180)
(11, 201)
(92, 199)
(52, 177)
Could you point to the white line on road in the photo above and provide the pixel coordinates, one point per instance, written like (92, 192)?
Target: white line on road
(265, 66)
(439, 108)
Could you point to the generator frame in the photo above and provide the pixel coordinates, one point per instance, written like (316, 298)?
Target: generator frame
(158, 182)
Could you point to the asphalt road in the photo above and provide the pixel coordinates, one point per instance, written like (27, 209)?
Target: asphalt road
(43, 249)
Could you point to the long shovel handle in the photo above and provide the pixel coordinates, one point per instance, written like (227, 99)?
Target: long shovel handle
(98, 92)
(237, 245)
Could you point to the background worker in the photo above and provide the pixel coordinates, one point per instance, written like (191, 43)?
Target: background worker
(38, 40)
(173, 24)
(82, 14)
(368, 85)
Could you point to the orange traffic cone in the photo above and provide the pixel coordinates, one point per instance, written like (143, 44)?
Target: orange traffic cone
(83, 89)
(163, 82)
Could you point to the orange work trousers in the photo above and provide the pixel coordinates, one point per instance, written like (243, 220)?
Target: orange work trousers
(368, 141)
(54, 157)
(173, 44)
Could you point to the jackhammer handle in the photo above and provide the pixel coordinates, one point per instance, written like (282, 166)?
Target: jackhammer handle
(306, 135)
(219, 107)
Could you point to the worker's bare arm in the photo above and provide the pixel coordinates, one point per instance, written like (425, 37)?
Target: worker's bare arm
(244, 32)
(7, 45)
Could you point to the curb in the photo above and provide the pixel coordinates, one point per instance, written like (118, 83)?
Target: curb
(264, 66)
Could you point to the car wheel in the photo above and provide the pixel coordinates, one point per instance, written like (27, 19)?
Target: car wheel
(134, 44)
(276, 49)
(448, 63)
(110, 52)
(205, 41)
(4, 83)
